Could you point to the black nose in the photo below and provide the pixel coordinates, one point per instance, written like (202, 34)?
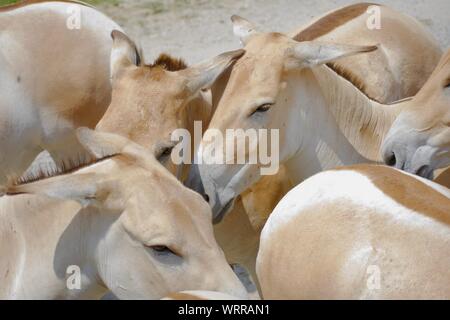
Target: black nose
(391, 160)
(194, 182)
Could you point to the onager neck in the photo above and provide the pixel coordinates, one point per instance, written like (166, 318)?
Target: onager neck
(363, 121)
(343, 125)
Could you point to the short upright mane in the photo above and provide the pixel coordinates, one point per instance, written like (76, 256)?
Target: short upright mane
(352, 77)
(327, 24)
(168, 63)
(332, 21)
(64, 167)
(24, 3)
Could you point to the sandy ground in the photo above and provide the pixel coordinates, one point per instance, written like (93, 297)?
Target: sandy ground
(199, 29)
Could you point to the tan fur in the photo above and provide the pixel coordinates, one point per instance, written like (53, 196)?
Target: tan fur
(443, 178)
(352, 77)
(420, 136)
(331, 21)
(345, 248)
(124, 206)
(304, 93)
(156, 100)
(408, 191)
(391, 71)
(50, 96)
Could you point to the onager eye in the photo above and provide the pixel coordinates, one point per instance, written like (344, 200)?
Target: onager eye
(162, 250)
(263, 108)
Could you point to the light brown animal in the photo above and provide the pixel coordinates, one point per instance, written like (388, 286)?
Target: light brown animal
(330, 108)
(363, 232)
(419, 139)
(54, 78)
(118, 221)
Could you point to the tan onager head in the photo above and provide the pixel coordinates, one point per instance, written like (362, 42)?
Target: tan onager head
(150, 101)
(419, 139)
(258, 96)
(144, 234)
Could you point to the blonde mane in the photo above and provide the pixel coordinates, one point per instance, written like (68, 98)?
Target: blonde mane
(67, 166)
(370, 120)
(352, 77)
(332, 21)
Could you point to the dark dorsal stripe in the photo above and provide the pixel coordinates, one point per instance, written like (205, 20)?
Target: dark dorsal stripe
(407, 191)
(327, 24)
(24, 3)
(332, 21)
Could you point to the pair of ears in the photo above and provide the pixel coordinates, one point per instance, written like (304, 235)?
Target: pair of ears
(124, 54)
(304, 54)
(89, 188)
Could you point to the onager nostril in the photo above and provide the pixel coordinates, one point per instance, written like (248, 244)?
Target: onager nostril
(391, 160)
(206, 197)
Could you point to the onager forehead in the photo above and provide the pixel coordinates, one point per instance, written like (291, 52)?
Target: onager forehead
(149, 100)
(153, 80)
(158, 203)
(157, 78)
(251, 78)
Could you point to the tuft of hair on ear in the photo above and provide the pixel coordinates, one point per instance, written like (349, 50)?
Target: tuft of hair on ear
(139, 56)
(169, 63)
(116, 34)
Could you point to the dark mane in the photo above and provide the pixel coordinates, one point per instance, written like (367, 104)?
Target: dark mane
(24, 3)
(168, 63)
(350, 76)
(332, 21)
(64, 167)
(327, 24)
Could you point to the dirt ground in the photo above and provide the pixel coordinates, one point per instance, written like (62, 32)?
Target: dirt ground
(198, 29)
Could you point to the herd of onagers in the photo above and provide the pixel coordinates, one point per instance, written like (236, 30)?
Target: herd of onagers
(93, 204)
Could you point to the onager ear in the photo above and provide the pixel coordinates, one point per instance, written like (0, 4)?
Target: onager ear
(243, 28)
(203, 75)
(313, 53)
(124, 53)
(104, 144)
(87, 188)
(101, 144)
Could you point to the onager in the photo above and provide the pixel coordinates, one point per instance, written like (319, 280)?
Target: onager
(54, 78)
(122, 219)
(363, 232)
(419, 139)
(150, 101)
(159, 98)
(329, 108)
